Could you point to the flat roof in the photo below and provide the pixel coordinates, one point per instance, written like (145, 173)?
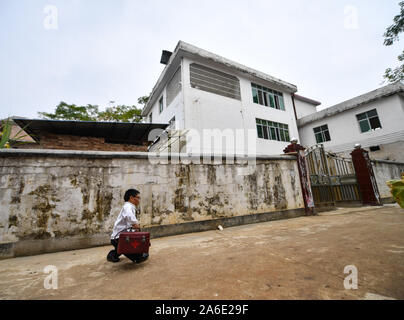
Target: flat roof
(113, 132)
(308, 100)
(383, 92)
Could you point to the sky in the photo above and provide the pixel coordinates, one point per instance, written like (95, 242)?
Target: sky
(97, 51)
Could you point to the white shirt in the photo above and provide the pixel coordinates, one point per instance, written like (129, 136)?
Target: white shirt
(125, 220)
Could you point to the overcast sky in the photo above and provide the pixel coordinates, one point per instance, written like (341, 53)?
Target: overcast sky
(102, 50)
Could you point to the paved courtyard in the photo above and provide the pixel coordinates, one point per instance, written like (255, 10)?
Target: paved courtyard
(301, 258)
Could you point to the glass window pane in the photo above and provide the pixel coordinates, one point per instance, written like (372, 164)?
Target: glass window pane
(364, 125)
(265, 132)
(361, 116)
(265, 99)
(319, 138)
(273, 134)
(260, 99)
(375, 123)
(372, 113)
(259, 131)
(271, 101)
(327, 135)
(317, 130)
(255, 95)
(281, 103)
(287, 135)
(325, 127)
(276, 102)
(278, 137)
(282, 134)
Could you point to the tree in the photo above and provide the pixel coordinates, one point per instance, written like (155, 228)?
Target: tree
(66, 111)
(143, 100)
(119, 113)
(390, 36)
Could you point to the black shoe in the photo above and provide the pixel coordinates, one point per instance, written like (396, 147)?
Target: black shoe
(144, 257)
(112, 258)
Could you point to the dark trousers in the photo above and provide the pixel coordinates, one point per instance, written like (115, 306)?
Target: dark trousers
(114, 253)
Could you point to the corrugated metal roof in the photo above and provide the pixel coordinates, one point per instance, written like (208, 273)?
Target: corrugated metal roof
(113, 132)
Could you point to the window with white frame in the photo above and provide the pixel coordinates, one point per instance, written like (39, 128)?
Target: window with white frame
(271, 130)
(267, 97)
(368, 121)
(161, 105)
(322, 134)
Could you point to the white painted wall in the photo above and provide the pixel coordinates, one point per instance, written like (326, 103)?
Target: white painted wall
(344, 127)
(174, 109)
(198, 110)
(304, 108)
(205, 110)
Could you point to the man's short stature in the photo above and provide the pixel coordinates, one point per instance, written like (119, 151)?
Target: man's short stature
(125, 221)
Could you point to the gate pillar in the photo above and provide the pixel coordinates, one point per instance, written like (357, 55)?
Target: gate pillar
(365, 176)
(297, 150)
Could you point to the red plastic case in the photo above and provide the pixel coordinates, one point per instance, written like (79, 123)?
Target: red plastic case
(134, 242)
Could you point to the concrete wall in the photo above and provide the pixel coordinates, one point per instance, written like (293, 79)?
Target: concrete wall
(385, 171)
(174, 109)
(390, 152)
(304, 108)
(54, 200)
(345, 131)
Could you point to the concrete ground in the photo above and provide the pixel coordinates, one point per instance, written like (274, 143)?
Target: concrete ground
(301, 258)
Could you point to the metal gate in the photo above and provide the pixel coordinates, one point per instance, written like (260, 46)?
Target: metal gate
(333, 179)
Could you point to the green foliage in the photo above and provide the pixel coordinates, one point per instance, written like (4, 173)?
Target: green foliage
(65, 111)
(397, 190)
(5, 134)
(394, 30)
(390, 36)
(396, 74)
(143, 100)
(120, 113)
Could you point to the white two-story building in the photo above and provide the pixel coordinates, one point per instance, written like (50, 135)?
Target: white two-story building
(204, 96)
(375, 120)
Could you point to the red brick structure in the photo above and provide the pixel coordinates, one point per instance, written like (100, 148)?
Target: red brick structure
(71, 142)
(366, 177)
(89, 135)
(297, 150)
